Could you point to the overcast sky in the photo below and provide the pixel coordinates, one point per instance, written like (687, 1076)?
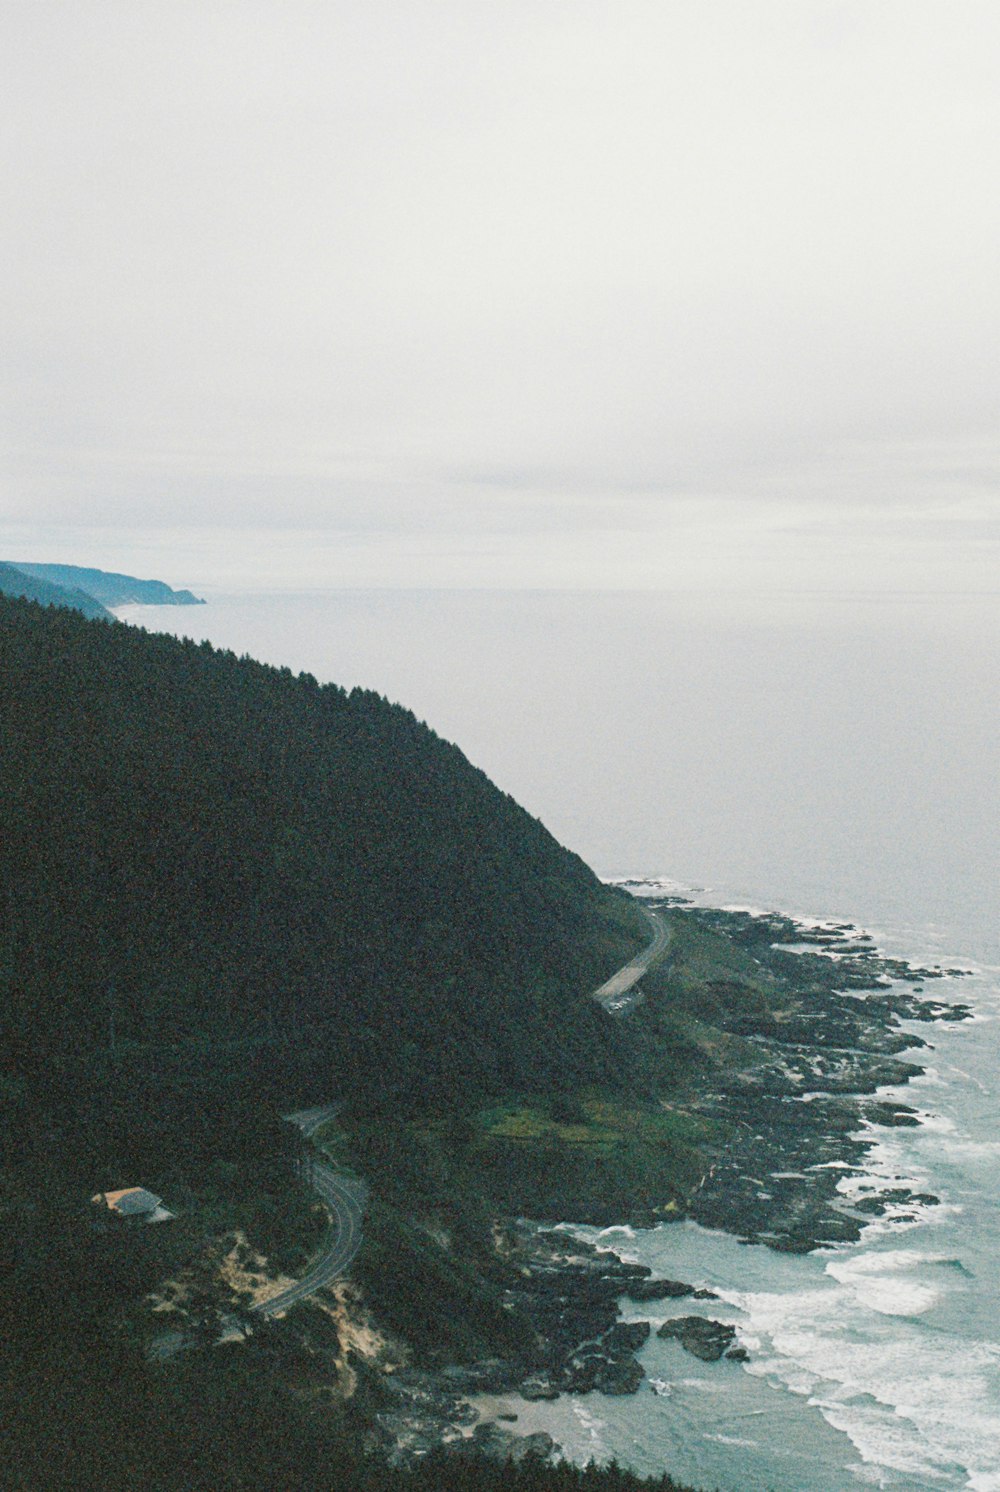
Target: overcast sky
(547, 292)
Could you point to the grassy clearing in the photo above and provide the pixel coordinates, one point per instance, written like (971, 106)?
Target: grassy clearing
(605, 1126)
(610, 1161)
(701, 958)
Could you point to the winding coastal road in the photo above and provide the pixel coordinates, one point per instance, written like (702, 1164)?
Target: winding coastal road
(345, 1196)
(618, 993)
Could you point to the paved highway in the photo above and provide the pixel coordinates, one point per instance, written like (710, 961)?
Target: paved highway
(345, 1197)
(614, 994)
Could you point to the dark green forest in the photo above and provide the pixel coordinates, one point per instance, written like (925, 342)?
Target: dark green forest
(226, 891)
(212, 866)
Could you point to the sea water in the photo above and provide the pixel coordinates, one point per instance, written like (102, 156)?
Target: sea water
(833, 756)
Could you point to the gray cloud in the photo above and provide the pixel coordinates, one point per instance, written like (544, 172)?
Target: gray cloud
(467, 270)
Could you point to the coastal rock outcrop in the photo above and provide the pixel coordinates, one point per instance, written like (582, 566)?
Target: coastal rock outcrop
(643, 1290)
(498, 1444)
(626, 1336)
(703, 1338)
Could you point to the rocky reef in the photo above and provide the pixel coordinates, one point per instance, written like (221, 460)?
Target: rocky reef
(796, 1112)
(789, 1116)
(570, 1292)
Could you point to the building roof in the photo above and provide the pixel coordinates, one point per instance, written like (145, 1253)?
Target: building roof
(130, 1201)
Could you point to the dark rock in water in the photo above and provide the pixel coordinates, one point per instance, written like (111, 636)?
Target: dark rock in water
(503, 1445)
(892, 1115)
(627, 1336)
(790, 1112)
(737, 1354)
(643, 1290)
(580, 1372)
(537, 1387)
(570, 1292)
(787, 1245)
(494, 1375)
(491, 1439)
(591, 1368)
(539, 1444)
(704, 1295)
(875, 1204)
(620, 1377)
(700, 1336)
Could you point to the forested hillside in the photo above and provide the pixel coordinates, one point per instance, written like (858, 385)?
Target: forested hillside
(224, 891)
(211, 864)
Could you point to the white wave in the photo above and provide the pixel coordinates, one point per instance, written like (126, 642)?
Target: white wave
(882, 1441)
(792, 1375)
(592, 1427)
(962, 1148)
(891, 1261)
(893, 1297)
(923, 1405)
(968, 1077)
(890, 1164)
(894, 1282)
(937, 1124)
(896, 1223)
(929, 1078)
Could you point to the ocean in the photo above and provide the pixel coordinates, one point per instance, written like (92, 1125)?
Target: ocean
(829, 755)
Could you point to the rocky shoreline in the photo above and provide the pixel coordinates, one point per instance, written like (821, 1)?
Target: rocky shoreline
(571, 1292)
(793, 1116)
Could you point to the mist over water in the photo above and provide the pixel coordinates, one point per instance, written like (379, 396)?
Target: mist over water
(831, 755)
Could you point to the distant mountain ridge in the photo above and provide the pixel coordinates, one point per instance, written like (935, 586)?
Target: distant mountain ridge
(108, 587)
(16, 581)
